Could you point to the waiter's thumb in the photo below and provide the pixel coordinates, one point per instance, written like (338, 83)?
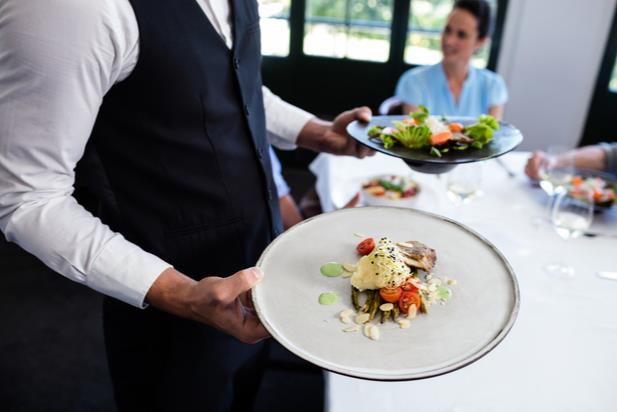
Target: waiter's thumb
(243, 280)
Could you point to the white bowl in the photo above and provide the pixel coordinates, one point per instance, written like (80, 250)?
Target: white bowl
(372, 200)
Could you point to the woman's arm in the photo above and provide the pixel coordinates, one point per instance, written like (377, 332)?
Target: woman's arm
(496, 112)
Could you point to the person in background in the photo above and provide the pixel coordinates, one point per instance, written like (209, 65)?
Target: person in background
(454, 87)
(291, 213)
(602, 156)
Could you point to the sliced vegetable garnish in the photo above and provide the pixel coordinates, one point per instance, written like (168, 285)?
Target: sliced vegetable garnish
(331, 269)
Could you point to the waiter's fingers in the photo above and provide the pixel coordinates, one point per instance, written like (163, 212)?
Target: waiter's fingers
(240, 282)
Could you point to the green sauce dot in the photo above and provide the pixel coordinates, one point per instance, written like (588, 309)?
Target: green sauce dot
(444, 293)
(331, 269)
(328, 298)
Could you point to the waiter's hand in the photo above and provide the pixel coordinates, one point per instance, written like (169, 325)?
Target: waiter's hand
(223, 303)
(331, 137)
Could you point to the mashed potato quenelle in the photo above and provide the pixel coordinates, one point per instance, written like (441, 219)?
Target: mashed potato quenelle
(383, 267)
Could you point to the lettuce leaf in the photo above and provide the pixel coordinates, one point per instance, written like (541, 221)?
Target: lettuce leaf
(482, 131)
(421, 115)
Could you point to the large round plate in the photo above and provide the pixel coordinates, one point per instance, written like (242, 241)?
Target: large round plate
(507, 138)
(483, 308)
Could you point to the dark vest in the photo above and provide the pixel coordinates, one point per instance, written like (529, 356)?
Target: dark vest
(182, 142)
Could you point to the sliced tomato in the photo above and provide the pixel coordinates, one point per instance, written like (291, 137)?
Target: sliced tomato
(366, 246)
(441, 138)
(391, 295)
(407, 299)
(409, 287)
(455, 127)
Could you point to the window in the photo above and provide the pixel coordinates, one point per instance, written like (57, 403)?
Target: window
(274, 24)
(353, 29)
(427, 19)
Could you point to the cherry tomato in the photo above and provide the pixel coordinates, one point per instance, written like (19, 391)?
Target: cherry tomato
(407, 299)
(366, 246)
(409, 287)
(390, 294)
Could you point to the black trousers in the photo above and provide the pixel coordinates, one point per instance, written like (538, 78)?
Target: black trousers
(159, 362)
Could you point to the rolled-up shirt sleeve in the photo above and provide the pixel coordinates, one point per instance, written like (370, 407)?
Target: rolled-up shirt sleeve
(610, 155)
(56, 64)
(284, 121)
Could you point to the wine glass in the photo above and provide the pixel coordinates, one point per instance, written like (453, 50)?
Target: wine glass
(570, 217)
(463, 182)
(555, 172)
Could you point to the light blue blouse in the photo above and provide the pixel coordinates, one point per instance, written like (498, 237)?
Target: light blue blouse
(428, 85)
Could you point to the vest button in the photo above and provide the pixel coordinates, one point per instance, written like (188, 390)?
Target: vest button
(246, 110)
(269, 194)
(260, 153)
(236, 63)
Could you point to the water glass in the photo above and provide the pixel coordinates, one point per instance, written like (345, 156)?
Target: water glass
(463, 182)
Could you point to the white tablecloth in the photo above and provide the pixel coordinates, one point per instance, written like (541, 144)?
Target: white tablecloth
(561, 354)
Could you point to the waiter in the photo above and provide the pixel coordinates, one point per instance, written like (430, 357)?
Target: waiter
(168, 93)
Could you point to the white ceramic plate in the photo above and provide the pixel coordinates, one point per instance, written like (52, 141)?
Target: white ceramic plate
(481, 312)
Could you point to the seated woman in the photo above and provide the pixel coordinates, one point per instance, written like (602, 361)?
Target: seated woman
(454, 87)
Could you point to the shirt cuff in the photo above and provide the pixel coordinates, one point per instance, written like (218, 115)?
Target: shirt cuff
(125, 271)
(610, 154)
(284, 121)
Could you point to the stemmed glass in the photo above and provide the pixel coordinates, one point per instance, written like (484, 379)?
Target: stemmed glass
(555, 173)
(463, 182)
(557, 170)
(570, 217)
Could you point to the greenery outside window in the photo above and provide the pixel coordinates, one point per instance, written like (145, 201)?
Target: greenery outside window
(352, 29)
(274, 23)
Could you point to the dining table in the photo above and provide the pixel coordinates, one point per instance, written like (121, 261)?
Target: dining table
(561, 353)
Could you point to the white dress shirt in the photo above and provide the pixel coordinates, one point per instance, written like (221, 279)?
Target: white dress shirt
(57, 61)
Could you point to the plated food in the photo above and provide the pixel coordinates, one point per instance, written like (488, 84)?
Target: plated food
(390, 189)
(303, 309)
(390, 282)
(438, 136)
(504, 139)
(599, 188)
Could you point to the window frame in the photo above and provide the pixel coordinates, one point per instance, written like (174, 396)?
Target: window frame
(398, 34)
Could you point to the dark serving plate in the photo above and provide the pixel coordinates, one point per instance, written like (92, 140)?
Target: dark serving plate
(507, 138)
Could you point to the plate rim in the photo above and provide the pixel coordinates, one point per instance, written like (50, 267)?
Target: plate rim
(475, 356)
(436, 160)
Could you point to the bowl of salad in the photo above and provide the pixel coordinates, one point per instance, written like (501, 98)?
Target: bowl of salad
(390, 190)
(436, 144)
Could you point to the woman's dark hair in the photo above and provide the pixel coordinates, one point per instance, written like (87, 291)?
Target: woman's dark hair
(481, 10)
